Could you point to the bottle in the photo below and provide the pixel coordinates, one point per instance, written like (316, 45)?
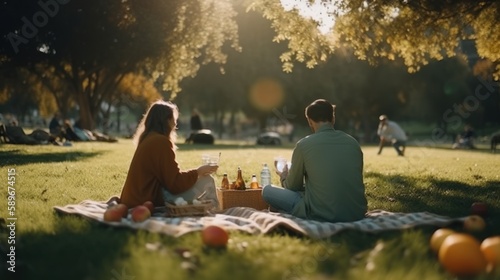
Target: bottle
(265, 175)
(240, 184)
(225, 182)
(254, 184)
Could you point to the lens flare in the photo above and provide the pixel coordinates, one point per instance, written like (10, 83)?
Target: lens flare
(266, 94)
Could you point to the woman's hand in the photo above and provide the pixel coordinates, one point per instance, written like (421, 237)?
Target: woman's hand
(207, 170)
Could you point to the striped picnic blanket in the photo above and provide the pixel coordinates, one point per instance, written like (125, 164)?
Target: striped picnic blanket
(257, 222)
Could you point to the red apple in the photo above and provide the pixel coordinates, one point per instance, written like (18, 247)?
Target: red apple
(115, 213)
(150, 206)
(140, 213)
(479, 208)
(122, 208)
(474, 223)
(214, 237)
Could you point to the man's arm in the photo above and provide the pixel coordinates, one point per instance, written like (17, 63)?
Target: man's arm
(294, 179)
(384, 132)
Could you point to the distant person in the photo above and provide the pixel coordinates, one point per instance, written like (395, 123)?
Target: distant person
(154, 174)
(80, 134)
(69, 132)
(195, 125)
(494, 141)
(56, 127)
(195, 120)
(83, 134)
(14, 134)
(391, 132)
(325, 180)
(465, 140)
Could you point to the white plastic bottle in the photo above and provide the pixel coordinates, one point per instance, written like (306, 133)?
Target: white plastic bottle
(265, 175)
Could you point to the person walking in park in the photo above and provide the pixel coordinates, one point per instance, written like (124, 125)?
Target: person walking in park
(391, 132)
(325, 180)
(154, 174)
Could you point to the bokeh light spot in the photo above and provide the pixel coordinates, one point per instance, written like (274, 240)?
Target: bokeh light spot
(266, 94)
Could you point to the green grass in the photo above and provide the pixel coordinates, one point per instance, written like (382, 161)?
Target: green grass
(51, 246)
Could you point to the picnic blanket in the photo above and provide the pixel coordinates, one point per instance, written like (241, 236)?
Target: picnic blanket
(257, 222)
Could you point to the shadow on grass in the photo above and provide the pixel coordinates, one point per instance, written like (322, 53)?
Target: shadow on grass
(443, 197)
(75, 250)
(483, 148)
(84, 249)
(17, 157)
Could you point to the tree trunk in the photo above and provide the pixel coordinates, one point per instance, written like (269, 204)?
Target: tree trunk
(368, 130)
(221, 124)
(106, 124)
(232, 124)
(118, 115)
(86, 119)
(262, 122)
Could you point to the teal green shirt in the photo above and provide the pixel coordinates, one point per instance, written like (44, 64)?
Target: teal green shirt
(328, 167)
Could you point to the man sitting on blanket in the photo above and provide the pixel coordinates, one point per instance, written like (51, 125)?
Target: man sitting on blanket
(325, 180)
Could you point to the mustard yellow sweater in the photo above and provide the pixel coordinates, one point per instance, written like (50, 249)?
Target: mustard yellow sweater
(154, 168)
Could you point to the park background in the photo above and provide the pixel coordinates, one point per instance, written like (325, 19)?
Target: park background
(248, 66)
(242, 74)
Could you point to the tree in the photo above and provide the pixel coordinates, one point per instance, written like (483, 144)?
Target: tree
(217, 90)
(25, 92)
(81, 51)
(361, 90)
(91, 46)
(416, 31)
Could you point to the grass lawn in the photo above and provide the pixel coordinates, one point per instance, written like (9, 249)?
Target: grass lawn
(49, 246)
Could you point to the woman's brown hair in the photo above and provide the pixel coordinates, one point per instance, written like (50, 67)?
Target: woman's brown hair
(157, 119)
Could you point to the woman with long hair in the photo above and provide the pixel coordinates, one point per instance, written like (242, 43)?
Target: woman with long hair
(154, 174)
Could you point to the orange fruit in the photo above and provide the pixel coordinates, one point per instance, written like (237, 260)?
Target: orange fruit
(214, 237)
(491, 250)
(438, 237)
(460, 255)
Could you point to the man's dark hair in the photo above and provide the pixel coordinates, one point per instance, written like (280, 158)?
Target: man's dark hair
(320, 111)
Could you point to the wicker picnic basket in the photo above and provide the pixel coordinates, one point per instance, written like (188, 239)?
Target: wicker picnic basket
(241, 198)
(202, 209)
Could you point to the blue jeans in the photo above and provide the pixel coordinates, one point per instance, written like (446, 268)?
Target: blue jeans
(281, 199)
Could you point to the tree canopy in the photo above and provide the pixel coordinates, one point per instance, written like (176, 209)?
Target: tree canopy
(99, 53)
(416, 31)
(89, 47)
(362, 91)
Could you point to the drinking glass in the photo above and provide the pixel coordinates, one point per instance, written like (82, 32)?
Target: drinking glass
(279, 163)
(210, 159)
